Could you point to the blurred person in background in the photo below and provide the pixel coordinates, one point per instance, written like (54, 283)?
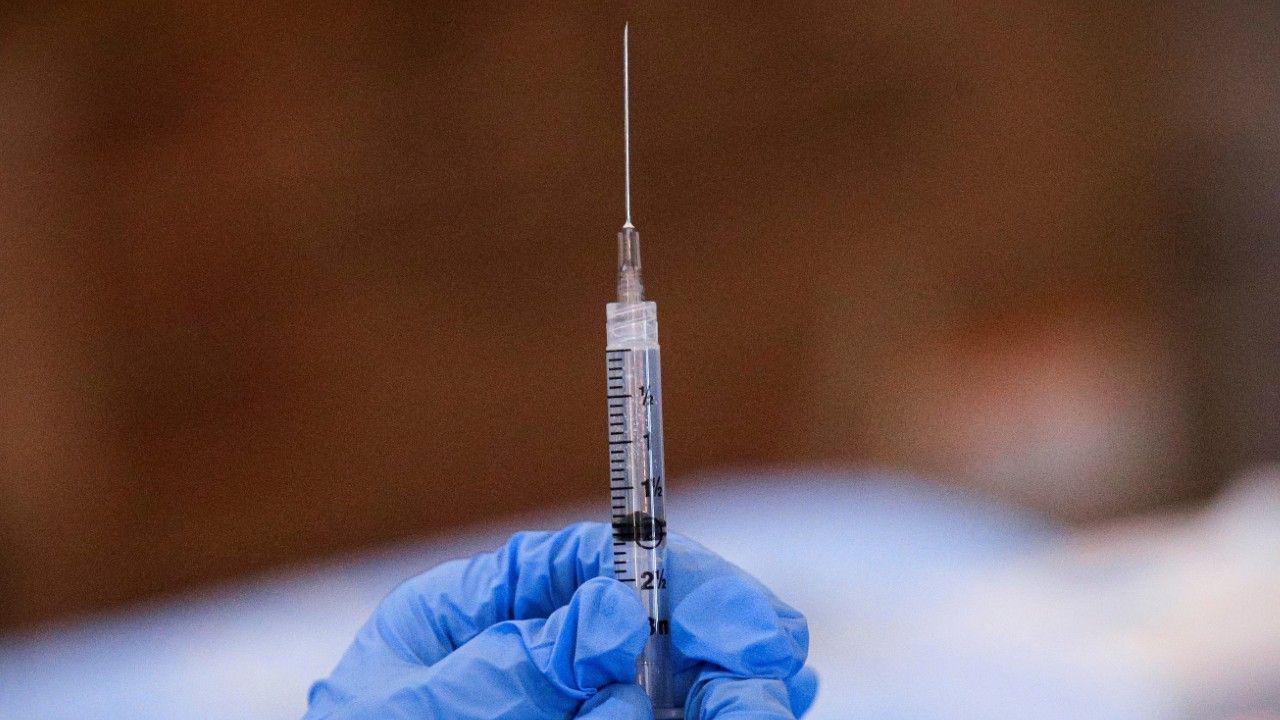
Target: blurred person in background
(264, 269)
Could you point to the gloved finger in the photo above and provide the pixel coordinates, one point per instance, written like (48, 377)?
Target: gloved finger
(691, 566)
(730, 630)
(526, 669)
(739, 699)
(530, 576)
(618, 702)
(730, 624)
(802, 688)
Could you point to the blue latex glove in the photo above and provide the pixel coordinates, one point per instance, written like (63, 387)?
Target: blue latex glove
(538, 630)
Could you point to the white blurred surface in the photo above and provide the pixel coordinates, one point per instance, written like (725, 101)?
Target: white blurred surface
(922, 603)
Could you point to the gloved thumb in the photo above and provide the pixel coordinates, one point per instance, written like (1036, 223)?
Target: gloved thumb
(618, 702)
(535, 669)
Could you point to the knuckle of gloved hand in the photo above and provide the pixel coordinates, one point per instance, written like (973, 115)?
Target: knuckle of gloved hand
(730, 623)
(569, 555)
(413, 608)
(591, 544)
(588, 533)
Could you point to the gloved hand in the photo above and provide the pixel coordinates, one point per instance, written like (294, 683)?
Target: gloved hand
(539, 631)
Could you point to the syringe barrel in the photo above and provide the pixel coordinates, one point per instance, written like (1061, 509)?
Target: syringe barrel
(637, 485)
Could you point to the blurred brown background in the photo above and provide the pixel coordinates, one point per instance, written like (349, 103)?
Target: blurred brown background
(283, 282)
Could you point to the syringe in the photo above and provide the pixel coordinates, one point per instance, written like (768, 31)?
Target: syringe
(636, 482)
